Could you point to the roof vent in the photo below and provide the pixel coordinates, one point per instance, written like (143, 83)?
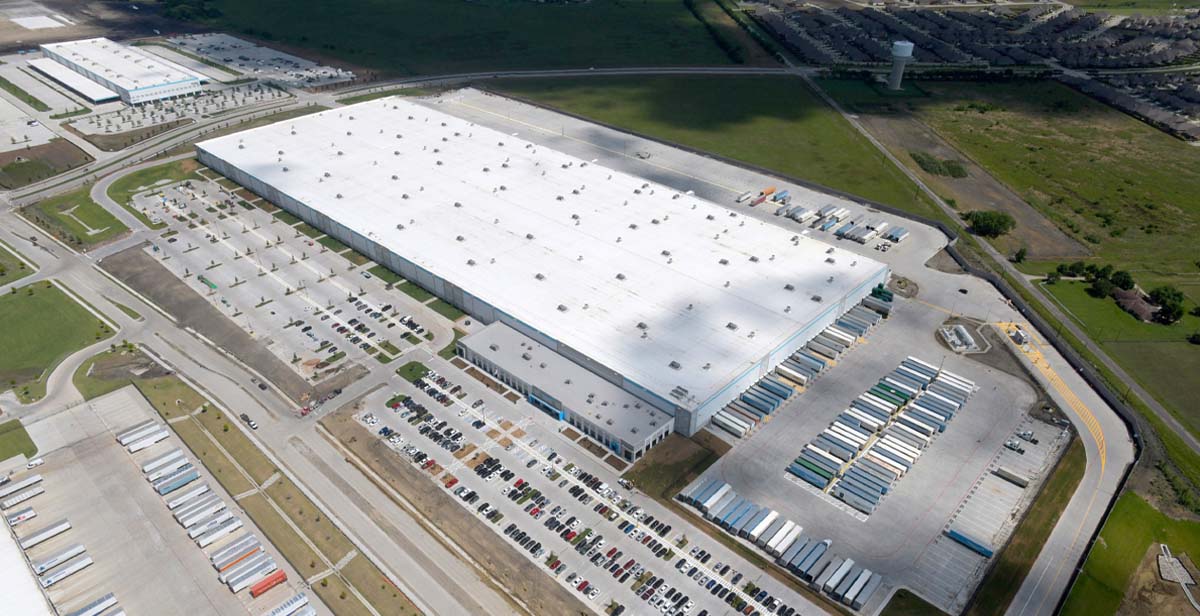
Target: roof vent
(539, 276)
(753, 259)
(787, 308)
(340, 153)
(574, 216)
(666, 253)
(485, 169)
(528, 236)
(470, 261)
(830, 260)
(707, 366)
(348, 133)
(457, 204)
(620, 276)
(710, 217)
(526, 356)
(562, 307)
(461, 238)
(731, 326)
(558, 198)
(642, 325)
(830, 251)
(327, 174)
(503, 187)
(494, 347)
(398, 135)
(654, 221)
(829, 280)
(285, 169)
(723, 261)
(400, 227)
(339, 195)
(439, 163)
(241, 146)
(674, 365)
(689, 306)
(395, 177)
(395, 152)
(404, 196)
(281, 152)
(816, 298)
(633, 226)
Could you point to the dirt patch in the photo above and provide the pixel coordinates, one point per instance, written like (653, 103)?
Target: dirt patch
(502, 562)
(571, 434)
(518, 433)
(465, 451)
(493, 434)
(32, 164)
(592, 447)
(904, 133)
(486, 380)
(943, 262)
(142, 272)
(512, 397)
(616, 463)
(113, 142)
(458, 363)
(903, 287)
(712, 442)
(1149, 594)
(506, 442)
(505, 424)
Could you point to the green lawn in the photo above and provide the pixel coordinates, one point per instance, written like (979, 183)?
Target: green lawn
(22, 95)
(412, 371)
(417, 293)
(385, 274)
(123, 189)
(436, 36)
(287, 217)
(1141, 7)
(1131, 528)
(1017, 557)
(362, 98)
(450, 349)
(1152, 353)
(12, 268)
(773, 122)
(75, 219)
(445, 309)
(42, 326)
(14, 440)
(905, 603)
(332, 244)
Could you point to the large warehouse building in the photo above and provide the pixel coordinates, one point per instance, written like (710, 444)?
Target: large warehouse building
(130, 73)
(673, 299)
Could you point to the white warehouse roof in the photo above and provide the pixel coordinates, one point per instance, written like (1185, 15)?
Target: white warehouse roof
(667, 289)
(127, 67)
(85, 87)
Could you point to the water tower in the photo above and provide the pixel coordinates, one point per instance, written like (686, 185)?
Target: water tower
(901, 55)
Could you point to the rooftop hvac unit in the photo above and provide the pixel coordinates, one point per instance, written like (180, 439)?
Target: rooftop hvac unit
(642, 325)
(348, 133)
(485, 169)
(395, 152)
(731, 326)
(339, 195)
(816, 298)
(327, 174)
(562, 307)
(666, 253)
(633, 226)
(503, 187)
(753, 259)
(654, 221)
(461, 238)
(620, 276)
(340, 153)
(457, 204)
(710, 217)
(830, 251)
(675, 365)
(494, 347)
(285, 169)
(470, 261)
(830, 260)
(526, 356)
(539, 276)
(789, 286)
(528, 236)
(723, 261)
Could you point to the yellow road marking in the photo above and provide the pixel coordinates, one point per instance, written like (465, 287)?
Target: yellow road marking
(1033, 353)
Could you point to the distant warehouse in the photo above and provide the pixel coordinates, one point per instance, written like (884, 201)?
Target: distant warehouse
(128, 72)
(676, 301)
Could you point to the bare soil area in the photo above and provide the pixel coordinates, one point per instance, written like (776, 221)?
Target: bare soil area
(1149, 594)
(903, 133)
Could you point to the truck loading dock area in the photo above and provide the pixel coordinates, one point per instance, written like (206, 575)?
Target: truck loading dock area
(139, 552)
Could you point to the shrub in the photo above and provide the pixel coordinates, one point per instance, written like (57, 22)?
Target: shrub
(1123, 279)
(990, 224)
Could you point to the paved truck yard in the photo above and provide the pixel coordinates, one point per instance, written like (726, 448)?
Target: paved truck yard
(139, 552)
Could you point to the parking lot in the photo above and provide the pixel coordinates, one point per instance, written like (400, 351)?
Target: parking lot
(210, 102)
(517, 472)
(139, 552)
(281, 282)
(260, 62)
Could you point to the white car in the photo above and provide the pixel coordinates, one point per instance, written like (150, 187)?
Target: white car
(36, 462)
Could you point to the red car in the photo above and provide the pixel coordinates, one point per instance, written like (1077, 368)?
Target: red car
(570, 535)
(582, 586)
(519, 483)
(534, 511)
(450, 484)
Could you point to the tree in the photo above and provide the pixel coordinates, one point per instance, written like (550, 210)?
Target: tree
(1123, 279)
(1170, 303)
(990, 224)
(1020, 256)
(1101, 287)
(1194, 338)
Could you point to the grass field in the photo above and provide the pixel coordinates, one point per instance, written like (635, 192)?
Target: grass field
(434, 36)
(905, 603)
(385, 274)
(1017, 558)
(122, 190)
(1131, 527)
(670, 466)
(12, 268)
(312, 522)
(773, 122)
(449, 350)
(22, 95)
(236, 444)
(417, 91)
(412, 371)
(75, 219)
(14, 440)
(42, 326)
(1142, 7)
(445, 309)
(1154, 354)
(417, 293)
